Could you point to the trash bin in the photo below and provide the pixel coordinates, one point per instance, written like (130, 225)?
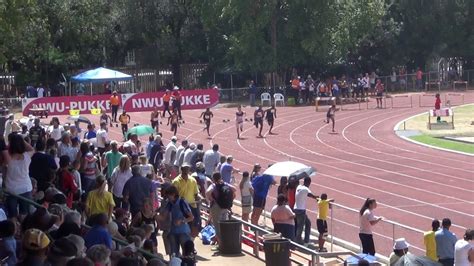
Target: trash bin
(231, 237)
(277, 252)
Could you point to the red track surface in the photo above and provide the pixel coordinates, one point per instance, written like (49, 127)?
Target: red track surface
(412, 184)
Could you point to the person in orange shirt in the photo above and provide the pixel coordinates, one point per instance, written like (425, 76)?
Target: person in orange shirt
(115, 103)
(177, 101)
(166, 102)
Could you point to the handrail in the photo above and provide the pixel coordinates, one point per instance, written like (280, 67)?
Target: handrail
(119, 241)
(315, 255)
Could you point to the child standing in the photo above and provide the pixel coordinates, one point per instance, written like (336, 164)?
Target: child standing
(322, 225)
(438, 106)
(330, 115)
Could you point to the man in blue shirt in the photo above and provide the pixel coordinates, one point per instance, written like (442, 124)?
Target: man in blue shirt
(445, 241)
(136, 189)
(98, 234)
(252, 92)
(261, 186)
(227, 170)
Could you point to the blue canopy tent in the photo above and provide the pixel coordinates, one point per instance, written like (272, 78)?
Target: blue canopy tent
(100, 75)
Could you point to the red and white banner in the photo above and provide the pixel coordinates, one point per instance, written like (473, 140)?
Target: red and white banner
(132, 102)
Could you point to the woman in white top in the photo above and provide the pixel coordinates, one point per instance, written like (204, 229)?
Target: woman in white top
(246, 192)
(17, 179)
(121, 174)
(366, 220)
(464, 250)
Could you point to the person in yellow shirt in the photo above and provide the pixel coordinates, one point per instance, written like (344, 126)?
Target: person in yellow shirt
(322, 225)
(124, 119)
(100, 200)
(188, 189)
(430, 241)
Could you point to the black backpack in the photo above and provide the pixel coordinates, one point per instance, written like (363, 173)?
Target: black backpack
(225, 196)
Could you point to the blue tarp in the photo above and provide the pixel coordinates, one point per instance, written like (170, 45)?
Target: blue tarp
(99, 75)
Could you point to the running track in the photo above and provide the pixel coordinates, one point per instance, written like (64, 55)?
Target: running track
(412, 184)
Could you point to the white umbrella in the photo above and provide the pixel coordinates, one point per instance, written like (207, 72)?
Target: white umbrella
(289, 168)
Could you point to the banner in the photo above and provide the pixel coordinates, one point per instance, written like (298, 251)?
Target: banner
(131, 102)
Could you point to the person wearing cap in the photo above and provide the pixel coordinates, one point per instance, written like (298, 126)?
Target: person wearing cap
(188, 189)
(170, 156)
(166, 102)
(188, 154)
(177, 100)
(115, 104)
(102, 137)
(211, 159)
(36, 132)
(464, 249)
(445, 242)
(227, 169)
(35, 245)
(400, 248)
(430, 241)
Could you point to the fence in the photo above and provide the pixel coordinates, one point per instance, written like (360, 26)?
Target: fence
(343, 227)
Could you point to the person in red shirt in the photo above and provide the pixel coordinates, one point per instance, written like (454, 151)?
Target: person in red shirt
(438, 106)
(177, 101)
(419, 79)
(65, 180)
(293, 183)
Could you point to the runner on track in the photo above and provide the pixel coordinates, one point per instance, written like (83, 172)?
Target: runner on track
(330, 115)
(239, 120)
(270, 115)
(258, 119)
(155, 119)
(124, 119)
(174, 121)
(206, 116)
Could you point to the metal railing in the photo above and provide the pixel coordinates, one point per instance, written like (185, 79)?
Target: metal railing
(257, 241)
(344, 220)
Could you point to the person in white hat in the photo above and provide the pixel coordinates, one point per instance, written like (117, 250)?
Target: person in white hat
(400, 248)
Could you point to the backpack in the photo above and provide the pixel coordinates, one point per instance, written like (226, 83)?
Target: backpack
(225, 196)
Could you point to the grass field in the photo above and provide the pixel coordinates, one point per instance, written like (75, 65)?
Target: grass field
(444, 143)
(463, 117)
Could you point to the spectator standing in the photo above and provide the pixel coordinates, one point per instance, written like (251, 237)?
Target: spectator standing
(188, 190)
(170, 156)
(42, 167)
(112, 158)
(115, 104)
(17, 180)
(445, 242)
(437, 106)
(379, 90)
(136, 189)
(323, 209)
(188, 154)
(180, 154)
(40, 92)
(156, 153)
(102, 138)
(55, 131)
(246, 192)
(120, 175)
(366, 85)
(66, 182)
(147, 216)
(464, 249)
(283, 187)
(293, 183)
(367, 219)
(211, 159)
(197, 156)
(261, 184)
(430, 241)
(220, 196)
(65, 147)
(37, 132)
(90, 133)
(181, 215)
(99, 200)
(419, 79)
(89, 168)
(372, 79)
(227, 169)
(302, 220)
(252, 90)
(393, 79)
(283, 218)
